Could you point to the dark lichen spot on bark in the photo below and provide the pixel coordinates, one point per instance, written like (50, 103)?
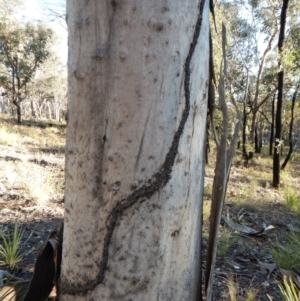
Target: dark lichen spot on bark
(158, 26)
(114, 4)
(164, 9)
(99, 53)
(78, 75)
(146, 191)
(175, 233)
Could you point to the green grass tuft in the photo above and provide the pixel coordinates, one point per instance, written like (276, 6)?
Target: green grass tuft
(292, 198)
(225, 242)
(288, 256)
(10, 248)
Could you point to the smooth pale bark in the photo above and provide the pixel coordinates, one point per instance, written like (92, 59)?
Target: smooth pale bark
(138, 83)
(1, 102)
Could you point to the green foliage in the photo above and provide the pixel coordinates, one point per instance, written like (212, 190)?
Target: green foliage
(207, 190)
(23, 48)
(288, 256)
(10, 249)
(289, 290)
(224, 243)
(292, 199)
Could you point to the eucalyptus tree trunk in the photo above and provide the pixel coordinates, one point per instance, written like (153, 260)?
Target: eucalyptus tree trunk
(291, 127)
(278, 125)
(138, 84)
(272, 126)
(49, 110)
(33, 109)
(1, 102)
(56, 109)
(17, 103)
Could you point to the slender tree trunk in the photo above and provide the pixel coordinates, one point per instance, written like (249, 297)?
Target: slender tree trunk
(277, 148)
(56, 109)
(49, 110)
(276, 156)
(296, 144)
(138, 86)
(33, 112)
(207, 148)
(291, 148)
(245, 153)
(261, 135)
(256, 140)
(252, 135)
(272, 126)
(40, 109)
(19, 110)
(1, 102)
(222, 173)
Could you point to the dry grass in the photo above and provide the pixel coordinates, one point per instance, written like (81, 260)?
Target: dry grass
(251, 189)
(237, 293)
(9, 138)
(206, 209)
(32, 158)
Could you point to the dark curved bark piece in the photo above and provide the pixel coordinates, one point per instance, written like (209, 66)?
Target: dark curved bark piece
(47, 269)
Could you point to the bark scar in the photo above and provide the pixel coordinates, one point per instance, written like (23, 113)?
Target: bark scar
(158, 180)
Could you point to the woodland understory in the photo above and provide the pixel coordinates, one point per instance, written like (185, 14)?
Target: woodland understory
(247, 264)
(251, 197)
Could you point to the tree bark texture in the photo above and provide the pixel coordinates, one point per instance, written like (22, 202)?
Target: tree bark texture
(19, 110)
(291, 147)
(137, 104)
(272, 126)
(244, 141)
(278, 118)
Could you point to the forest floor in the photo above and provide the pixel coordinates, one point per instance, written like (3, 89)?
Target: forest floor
(31, 185)
(259, 235)
(249, 265)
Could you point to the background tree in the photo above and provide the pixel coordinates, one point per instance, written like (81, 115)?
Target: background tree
(222, 171)
(291, 127)
(246, 62)
(57, 12)
(48, 89)
(7, 7)
(276, 156)
(22, 50)
(253, 62)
